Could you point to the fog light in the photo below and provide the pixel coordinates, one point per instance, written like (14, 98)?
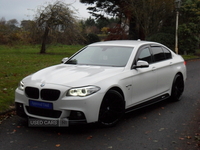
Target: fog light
(20, 110)
(76, 115)
(20, 106)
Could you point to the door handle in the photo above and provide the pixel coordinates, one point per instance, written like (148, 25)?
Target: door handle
(153, 68)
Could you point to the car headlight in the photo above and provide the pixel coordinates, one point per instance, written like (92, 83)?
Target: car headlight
(83, 91)
(21, 85)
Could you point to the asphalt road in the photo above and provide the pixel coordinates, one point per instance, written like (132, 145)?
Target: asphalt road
(163, 126)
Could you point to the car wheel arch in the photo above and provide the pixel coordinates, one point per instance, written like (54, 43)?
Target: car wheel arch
(177, 75)
(110, 113)
(118, 90)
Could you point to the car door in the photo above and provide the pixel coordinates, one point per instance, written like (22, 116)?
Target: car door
(163, 68)
(145, 79)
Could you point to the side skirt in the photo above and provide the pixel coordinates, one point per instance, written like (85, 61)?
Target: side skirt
(147, 103)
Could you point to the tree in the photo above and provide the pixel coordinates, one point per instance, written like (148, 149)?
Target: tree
(151, 15)
(9, 32)
(189, 29)
(90, 22)
(102, 22)
(57, 17)
(12, 22)
(144, 17)
(3, 21)
(30, 32)
(90, 26)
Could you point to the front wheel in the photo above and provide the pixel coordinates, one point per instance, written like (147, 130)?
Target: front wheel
(177, 88)
(112, 108)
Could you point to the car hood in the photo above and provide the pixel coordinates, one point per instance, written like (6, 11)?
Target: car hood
(72, 75)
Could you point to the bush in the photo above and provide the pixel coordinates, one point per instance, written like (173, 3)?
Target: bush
(164, 38)
(188, 39)
(92, 38)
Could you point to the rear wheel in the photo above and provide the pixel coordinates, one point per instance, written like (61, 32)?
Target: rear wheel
(177, 88)
(112, 108)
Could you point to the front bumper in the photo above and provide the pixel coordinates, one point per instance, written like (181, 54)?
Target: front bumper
(70, 109)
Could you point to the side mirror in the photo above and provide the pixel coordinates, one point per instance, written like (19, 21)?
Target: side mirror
(141, 64)
(64, 60)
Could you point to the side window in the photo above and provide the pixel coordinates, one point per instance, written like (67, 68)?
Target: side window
(167, 53)
(158, 53)
(145, 55)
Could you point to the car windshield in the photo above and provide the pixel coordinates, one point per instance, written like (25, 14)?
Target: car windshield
(116, 56)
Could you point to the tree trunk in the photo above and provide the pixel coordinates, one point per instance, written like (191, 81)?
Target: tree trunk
(133, 32)
(45, 36)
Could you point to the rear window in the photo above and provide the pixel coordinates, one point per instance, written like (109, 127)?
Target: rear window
(158, 53)
(167, 53)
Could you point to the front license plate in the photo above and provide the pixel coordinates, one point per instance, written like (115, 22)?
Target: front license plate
(40, 104)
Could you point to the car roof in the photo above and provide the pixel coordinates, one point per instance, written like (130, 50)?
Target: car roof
(131, 43)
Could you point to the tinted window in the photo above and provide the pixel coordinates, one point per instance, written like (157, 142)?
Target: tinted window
(158, 53)
(167, 53)
(145, 55)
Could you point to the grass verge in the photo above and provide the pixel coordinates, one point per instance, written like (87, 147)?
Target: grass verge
(20, 61)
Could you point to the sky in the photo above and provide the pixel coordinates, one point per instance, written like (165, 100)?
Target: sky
(26, 9)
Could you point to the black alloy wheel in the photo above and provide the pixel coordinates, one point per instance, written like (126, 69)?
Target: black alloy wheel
(177, 88)
(112, 108)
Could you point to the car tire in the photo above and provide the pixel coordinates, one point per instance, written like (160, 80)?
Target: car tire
(112, 109)
(177, 88)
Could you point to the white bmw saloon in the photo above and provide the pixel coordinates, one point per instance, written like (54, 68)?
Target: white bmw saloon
(101, 82)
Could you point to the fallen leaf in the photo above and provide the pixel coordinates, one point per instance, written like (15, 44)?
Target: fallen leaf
(174, 142)
(197, 138)
(161, 129)
(147, 132)
(57, 145)
(189, 137)
(14, 131)
(120, 139)
(89, 137)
